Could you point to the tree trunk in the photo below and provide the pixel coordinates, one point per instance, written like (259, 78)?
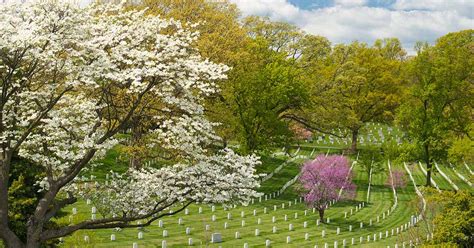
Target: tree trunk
(9, 238)
(355, 134)
(428, 165)
(135, 163)
(135, 160)
(321, 215)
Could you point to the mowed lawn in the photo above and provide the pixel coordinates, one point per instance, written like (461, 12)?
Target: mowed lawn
(380, 201)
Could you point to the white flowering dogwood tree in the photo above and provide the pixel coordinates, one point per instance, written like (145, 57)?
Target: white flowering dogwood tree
(72, 78)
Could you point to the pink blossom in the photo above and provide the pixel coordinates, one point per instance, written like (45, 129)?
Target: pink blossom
(323, 178)
(399, 179)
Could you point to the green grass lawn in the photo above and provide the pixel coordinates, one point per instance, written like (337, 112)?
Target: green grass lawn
(381, 199)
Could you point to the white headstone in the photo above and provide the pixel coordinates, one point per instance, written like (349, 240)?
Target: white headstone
(274, 229)
(243, 223)
(338, 230)
(237, 235)
(323, 233)
(140, 235)
(213, 218)
(208, 227)
(305, 224)
(213, 208)
(257, 232)
(273, 219)
(226, 225)
(74, 210)
(242, 214)
(229, 216)
(112, 237)
(259, 221)
(267, 243)
(306, 236)
(180, 221)
(190, 241)
(290, 227)
(160, 223)
(286, 217)
(186, 211)
(165, 233)
(188, 230)
(288, 239)
(163, 244)
(135, 245)
(200, 210)
(265, 210)
(216, 238)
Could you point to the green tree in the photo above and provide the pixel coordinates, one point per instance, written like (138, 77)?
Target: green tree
(264, 86)
(438, 103)
(451, 217)
(353, 85)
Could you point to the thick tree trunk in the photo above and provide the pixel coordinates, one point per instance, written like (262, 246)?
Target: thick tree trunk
(428, 165)
(355, 134)
(6, 234)
(321, 215)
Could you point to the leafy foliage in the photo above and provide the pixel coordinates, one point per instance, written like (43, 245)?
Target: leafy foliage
(323, 178)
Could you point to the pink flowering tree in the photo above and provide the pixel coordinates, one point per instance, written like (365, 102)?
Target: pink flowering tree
(396, 179)
(325, 179)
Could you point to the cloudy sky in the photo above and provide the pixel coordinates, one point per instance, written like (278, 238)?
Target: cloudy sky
(343, 21)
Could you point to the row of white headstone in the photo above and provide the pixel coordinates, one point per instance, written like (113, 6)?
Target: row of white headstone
(432, 179)
(455, 187)
(461, 176)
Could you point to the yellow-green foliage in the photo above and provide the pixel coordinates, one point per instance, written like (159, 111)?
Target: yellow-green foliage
(454, 218)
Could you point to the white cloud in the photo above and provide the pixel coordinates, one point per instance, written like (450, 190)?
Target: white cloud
(276, 9)
(350, 2)
(349, 20)
(463, 7)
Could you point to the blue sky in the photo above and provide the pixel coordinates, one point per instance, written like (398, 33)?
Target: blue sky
(343, 21)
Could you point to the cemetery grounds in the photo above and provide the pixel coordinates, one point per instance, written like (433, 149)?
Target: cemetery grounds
(377, 217)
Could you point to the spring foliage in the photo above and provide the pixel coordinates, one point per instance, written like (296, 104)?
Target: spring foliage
(323, 178)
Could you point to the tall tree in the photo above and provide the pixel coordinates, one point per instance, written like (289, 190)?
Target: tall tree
(351, 86)
(438, 104)
(264, 86)
(71, 79)
(221, 40)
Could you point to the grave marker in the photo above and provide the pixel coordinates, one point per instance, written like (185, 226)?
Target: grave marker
(216, 238)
